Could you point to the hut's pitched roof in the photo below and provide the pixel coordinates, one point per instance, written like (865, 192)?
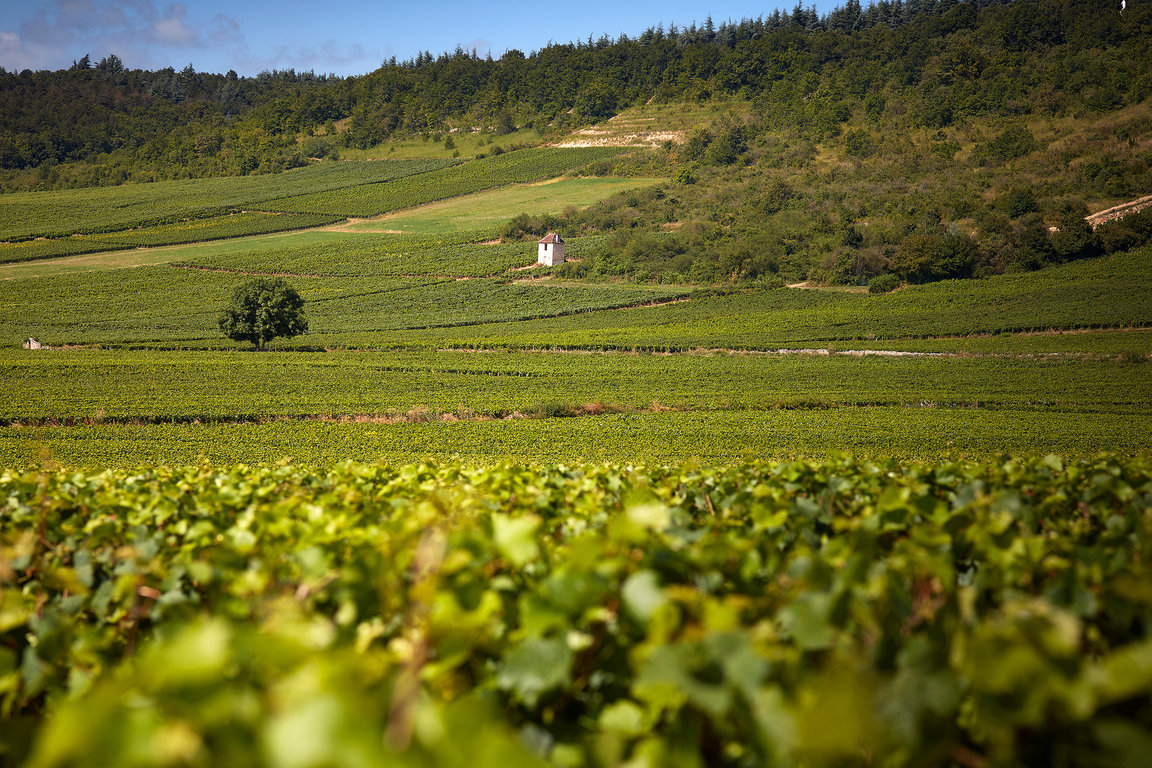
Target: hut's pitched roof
(551, 237)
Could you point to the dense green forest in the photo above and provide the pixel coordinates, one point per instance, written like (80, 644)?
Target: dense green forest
(900, 63)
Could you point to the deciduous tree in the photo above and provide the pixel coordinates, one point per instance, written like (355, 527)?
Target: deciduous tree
(263, 309)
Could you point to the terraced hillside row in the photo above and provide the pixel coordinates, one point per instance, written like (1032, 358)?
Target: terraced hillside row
(508, 168)
(167, 213)
(108, 209)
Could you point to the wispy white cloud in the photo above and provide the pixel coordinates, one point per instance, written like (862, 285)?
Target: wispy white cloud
(140, 32)
(173, 28)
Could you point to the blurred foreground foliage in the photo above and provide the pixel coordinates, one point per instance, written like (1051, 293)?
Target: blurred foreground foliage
(833, 613)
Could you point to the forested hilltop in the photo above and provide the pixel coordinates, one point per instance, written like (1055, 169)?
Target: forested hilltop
(895, 64)
(908, 142)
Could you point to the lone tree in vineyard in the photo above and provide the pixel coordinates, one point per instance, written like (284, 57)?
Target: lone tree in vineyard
(262, 309)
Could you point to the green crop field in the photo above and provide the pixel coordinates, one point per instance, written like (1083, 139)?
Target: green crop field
(108, 209)
(1098, 293)
(104, 260)
(412, 333)
(828, 446)
(210, 228)
(35, 250)
(509, 168)
(170, 305)
(173, 213)
(208, 385)
(485, 211)
(627, 520)
(360, 255)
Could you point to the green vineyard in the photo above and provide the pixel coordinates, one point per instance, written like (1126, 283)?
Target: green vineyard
(210, 228)
(695, 498)
(28, 215)
(509, 168)
(769, 614)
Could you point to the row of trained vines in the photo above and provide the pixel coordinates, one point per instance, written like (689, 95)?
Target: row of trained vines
(24, 216)
(195, 230)
(834, 613)
(175, 212)
(396, 255)
(1110, 292)
(357, 255)
(509, 168)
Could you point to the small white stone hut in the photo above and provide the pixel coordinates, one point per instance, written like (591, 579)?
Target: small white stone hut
(550, 250)
(31, 343)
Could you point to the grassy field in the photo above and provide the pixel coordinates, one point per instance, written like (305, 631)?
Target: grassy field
(486, 211)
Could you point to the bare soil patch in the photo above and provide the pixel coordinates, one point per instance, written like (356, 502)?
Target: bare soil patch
(620, 131)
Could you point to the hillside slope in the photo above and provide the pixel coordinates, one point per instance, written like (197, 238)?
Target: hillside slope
(927, 64)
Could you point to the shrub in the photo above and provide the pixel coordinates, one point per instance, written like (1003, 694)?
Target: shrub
(1020, 202)
(884, 283)
(1031, 242)
(925, 258)
(1074, 239)
(857, 143)
(1012, 142)
(574, 270)
(727, 147)
(1132, 231)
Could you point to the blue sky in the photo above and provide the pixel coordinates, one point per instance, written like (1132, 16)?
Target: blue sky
(346, 38)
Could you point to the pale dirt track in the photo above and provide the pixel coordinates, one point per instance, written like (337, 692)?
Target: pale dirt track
(1118, 211)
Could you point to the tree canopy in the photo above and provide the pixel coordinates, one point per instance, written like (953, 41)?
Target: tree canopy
(263, 309)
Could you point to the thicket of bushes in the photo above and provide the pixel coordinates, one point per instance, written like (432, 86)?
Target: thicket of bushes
(750, 223)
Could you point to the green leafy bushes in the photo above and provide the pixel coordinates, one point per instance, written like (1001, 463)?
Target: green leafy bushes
(885, 283)
(925, 258)
(1012, 142)
(1126, 233)
(582, 615)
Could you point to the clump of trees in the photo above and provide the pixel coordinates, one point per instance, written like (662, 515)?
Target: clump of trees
(1131, 231)
(263, 309)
